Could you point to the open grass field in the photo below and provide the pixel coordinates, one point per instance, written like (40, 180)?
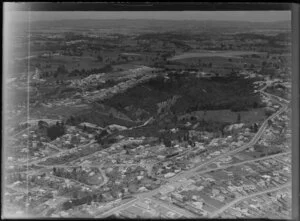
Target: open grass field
(56, 112)
(63, 111)
(125, 67)
(102, 119)
(215, 60)
(227, 116)
(70, 62)
(204, 53)
(223, 65)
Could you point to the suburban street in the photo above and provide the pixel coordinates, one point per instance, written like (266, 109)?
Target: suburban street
(193, 171)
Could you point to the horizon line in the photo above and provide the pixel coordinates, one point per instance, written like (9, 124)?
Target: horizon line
(153, 19)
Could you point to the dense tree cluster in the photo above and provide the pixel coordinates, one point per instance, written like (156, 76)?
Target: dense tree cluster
(56, 130)
(62, 71)
(254, 127)
(85, 73)
(195, 94)
(104, 139)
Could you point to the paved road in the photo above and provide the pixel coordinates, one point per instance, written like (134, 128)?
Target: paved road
(252, 142)
(142, 125)
(184, 174)
(192, 171)
(170, 206)
(284, 162)
(56, 154)
(213, 215)
(247, 161)
(116, 209)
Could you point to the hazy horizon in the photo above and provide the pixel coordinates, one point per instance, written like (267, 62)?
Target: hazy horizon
(245, 16)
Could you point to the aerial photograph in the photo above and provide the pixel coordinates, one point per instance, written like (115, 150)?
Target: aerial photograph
(147, 114)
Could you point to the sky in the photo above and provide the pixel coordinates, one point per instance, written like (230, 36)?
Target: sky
(252, 16)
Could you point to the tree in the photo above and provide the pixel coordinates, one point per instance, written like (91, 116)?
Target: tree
(167, 142)
(255, 104)
(42, 124)
(255, 127)
(99, 58)
(239, 118)
(75, 194)
(55, 131)
(74, 173)
(61, 69)
(160, 138)
(269, 122)
(71, 120)
(222, 132)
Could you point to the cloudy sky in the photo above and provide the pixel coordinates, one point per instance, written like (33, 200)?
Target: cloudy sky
(254, 16)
